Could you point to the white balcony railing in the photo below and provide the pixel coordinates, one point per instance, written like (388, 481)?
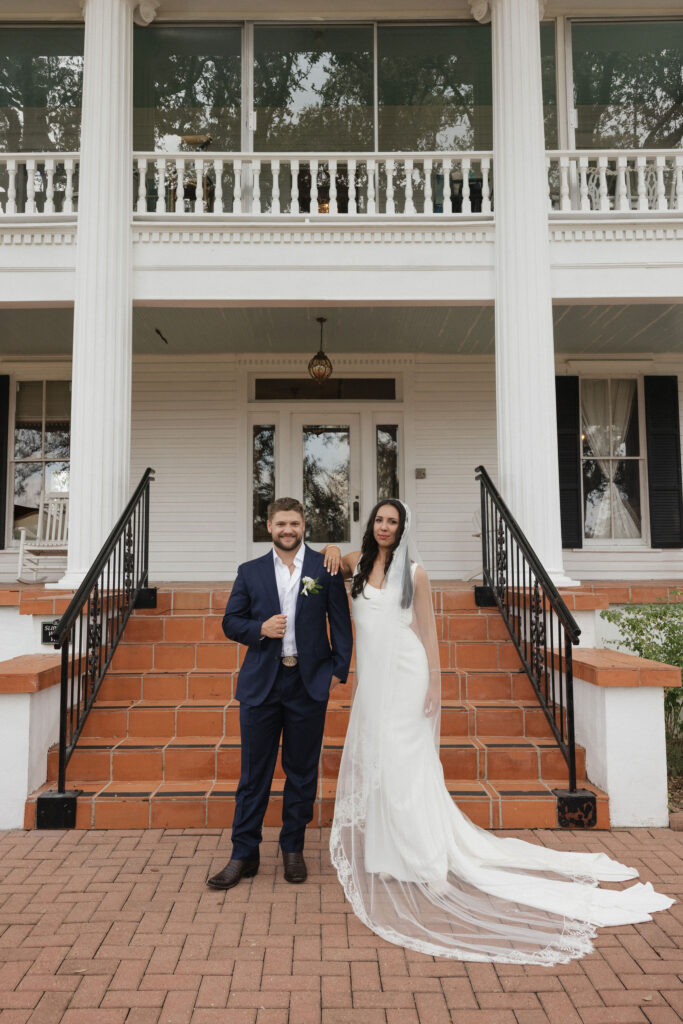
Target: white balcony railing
(615, 181)
(383, 185)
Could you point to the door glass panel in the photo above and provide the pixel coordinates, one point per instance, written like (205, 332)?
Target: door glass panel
(387, 462)
(313, 88)
(434, 87)
(187, 87)
(263, 478)
(28, 430)
(627, 84)
(326, 490)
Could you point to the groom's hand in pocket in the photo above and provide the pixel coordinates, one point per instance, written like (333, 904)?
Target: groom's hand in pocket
(333, 682)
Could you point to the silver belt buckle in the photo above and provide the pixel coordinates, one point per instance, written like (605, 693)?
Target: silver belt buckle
(290, 660)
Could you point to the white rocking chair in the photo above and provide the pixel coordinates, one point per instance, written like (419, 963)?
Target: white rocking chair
(51, 538)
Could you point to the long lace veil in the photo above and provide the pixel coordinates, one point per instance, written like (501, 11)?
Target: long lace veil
(415, 869)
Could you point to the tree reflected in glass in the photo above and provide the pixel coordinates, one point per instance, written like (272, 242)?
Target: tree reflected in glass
(326, 469)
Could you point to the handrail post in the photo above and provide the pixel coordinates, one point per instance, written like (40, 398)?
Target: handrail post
(61, 781)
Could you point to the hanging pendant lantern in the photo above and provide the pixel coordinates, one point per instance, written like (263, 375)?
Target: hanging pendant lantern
(320, 367)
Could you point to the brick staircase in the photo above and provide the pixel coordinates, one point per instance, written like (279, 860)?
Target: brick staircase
(160, 748)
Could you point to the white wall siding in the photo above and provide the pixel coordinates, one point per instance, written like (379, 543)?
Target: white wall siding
(454, 430)
(186, 424)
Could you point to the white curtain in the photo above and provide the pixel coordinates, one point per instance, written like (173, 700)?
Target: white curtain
(595, 413)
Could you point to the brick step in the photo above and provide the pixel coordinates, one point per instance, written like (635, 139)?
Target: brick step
(205, 803)
(213, 756)
(158, 685)
(216, 718)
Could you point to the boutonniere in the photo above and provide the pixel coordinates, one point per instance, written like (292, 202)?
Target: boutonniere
(310, 585)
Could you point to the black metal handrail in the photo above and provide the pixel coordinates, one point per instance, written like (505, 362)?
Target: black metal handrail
(89, 630)
(540, 625)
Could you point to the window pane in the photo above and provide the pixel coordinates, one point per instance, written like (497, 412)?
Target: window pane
(626, 500)
(28, 482)
(56, 477)
(595, 418)
(57, 416)
(313, 88)
(548, 70)
(28, 430)
(187, 82)
(434, 87)
(41, 74)
(627, 84)
(263, 479)
(345, 388)
(326, 467)
(624, 396)
(387, 462)
(596, 499)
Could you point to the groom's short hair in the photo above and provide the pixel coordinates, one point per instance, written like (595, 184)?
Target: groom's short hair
(285, 505)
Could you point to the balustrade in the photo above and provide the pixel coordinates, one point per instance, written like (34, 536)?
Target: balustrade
(392, 185)
(615, 181)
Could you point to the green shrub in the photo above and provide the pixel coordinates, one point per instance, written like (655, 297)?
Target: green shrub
(655, 631)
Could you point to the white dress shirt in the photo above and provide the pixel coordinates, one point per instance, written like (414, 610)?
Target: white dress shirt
(288, 591)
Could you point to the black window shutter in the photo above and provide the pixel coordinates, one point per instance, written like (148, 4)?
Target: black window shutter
(662, 425)
(4, 441)
(569, 455)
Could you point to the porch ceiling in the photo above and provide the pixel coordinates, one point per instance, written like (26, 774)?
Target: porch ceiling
(467, 330)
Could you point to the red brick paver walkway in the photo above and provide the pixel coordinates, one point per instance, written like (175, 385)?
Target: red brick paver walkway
(113, 927)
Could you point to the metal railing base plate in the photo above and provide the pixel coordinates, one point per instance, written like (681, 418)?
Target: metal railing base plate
(576, 810)
(57, 810)
(147, 598)
(484, 597)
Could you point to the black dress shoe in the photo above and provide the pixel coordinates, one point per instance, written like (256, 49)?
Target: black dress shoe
(295, 867)
(232, 872)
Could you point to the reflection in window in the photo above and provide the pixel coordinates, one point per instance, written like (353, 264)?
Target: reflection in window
(187, 86)
(434, 87)
(313, 88)
(610, 462)
(387, 462)
(627, 84)
(549, 78)
(41, 77)
(326, 466)
(40, 449)
(263, 478)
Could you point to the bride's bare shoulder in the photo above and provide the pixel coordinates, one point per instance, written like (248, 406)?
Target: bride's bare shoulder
(349, 563)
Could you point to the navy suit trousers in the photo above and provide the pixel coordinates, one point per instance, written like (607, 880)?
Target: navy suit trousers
(287, 711)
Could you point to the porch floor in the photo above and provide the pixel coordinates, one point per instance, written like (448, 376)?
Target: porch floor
(107, 927)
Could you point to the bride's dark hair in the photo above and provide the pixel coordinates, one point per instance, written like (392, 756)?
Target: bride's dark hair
(370, 548)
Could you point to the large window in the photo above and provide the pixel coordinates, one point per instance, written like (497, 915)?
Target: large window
(627, 84)
(41, 76)
(187, 88)
(41, 448)
(313, 88)
(611, 459)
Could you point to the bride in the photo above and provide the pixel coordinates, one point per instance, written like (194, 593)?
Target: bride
(413, 866)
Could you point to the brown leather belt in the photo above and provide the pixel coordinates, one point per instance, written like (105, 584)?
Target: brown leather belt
(289, 660)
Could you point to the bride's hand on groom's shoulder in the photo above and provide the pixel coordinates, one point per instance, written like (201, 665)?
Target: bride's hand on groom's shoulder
(332, 556)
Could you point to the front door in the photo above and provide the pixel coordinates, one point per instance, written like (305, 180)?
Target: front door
(316, 458)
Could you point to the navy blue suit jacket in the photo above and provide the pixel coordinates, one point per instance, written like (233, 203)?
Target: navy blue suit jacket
(254, 598)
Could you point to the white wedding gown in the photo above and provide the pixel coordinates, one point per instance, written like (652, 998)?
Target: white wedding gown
(413, 866)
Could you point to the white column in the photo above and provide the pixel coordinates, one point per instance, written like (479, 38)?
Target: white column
(101, 388)
(528, 476)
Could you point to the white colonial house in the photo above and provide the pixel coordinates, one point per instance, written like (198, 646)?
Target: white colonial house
(478, 206)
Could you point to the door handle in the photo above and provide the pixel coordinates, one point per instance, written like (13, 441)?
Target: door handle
(356, 510)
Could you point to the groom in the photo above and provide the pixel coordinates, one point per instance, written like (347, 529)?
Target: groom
(279, 608)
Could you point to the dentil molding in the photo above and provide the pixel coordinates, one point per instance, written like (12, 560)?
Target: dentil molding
(481, 9)
(308, 235)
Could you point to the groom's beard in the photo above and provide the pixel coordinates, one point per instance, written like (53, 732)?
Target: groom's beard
(287, 545)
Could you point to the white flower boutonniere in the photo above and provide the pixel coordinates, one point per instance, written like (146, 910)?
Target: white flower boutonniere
(310, 585)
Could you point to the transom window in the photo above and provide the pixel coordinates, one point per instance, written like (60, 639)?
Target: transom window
(41, 448)
(611, 460)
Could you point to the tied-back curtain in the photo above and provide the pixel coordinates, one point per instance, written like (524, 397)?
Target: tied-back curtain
(609, 505)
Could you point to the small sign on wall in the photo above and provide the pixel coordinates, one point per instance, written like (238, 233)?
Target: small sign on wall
(48, 631)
